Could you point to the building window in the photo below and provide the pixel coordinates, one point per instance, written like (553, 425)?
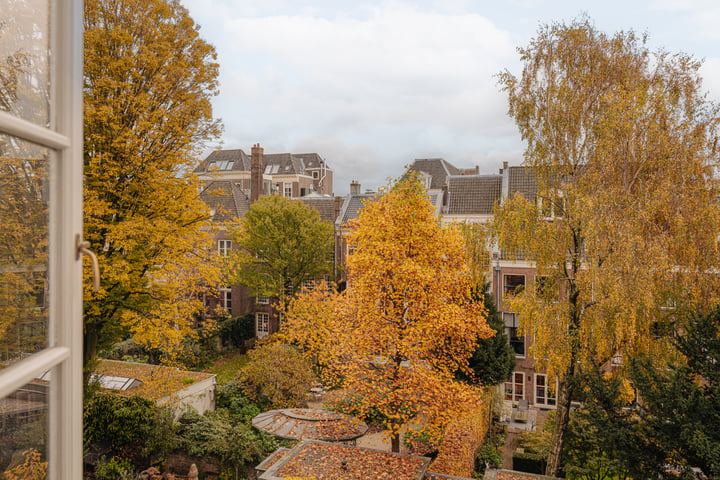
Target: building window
(517, 341)
(316, 174)
(262, 324)
(544, 395)
(224, 247)
(263, 300)
(515, 387)
(551, 207)
(288, 189)
(226, 299)
(513, 284)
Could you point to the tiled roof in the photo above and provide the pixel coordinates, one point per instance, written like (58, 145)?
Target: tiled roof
(436, 198)
(438, 168)
(324, 205)
(226, 199)
(353, 206)
(225, 160)
(522, 179)
(473, 194)
(274, 163)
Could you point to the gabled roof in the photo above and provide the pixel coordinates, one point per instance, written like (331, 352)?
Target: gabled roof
(353, 205)
(522, 179)
(324, 205)
(273, 163)
(439, 169)
(473, 194)
(224, 161)
(228, 201)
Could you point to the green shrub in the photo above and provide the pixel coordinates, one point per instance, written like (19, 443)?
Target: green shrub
(277, 376)
(487, 453)
(218, 434)
(116, 469)
(127, 421)
(529, 462)
(235, 330)
(231, 397)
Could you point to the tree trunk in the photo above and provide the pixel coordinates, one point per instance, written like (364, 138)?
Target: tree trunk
(395, 442)
(562, 418)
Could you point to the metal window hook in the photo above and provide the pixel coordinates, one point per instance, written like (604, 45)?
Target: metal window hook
(83, 248)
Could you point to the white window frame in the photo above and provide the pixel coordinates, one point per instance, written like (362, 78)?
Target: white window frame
(226, 299)
(512, 391)
(546, 397)
(64, 353)
(262, 324)
(287, 186)
(224, 247)
(263, 300)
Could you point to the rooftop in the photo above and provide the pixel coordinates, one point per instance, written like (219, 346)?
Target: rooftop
(157, 381)
(329, 461)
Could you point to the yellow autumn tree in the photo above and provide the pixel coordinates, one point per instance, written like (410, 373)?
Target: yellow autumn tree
(622, 143)
(406, 323)
(149, 78)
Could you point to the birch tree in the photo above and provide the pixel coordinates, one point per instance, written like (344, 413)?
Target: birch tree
(623, 145)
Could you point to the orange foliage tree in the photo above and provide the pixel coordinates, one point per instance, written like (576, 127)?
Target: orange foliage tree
(406, 323)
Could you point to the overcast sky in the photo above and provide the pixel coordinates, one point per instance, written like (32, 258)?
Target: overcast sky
(372, 85)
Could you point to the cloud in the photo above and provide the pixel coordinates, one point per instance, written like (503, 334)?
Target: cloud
(703, 14)
(398, 75)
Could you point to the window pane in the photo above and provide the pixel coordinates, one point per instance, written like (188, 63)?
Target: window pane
(23, 425)
(23, 248)
(24, 60)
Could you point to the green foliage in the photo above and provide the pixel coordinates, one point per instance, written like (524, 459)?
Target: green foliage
(235, 330)
(493, 360)
(281, 243)
(681, 405)
(231, 397)
(127, 421)
(234, 442)
(538, 441)
(487, 454)
(529, 462)
(277, 375)
(227, 366)
(605, 438)
(117, 468)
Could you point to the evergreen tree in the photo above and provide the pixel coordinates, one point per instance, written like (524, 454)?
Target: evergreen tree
(493, 360)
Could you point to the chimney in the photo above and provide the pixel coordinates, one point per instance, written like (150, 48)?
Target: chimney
(338, 206)
(354, 188)
(504, 168)
(477, 169)
(256, 173)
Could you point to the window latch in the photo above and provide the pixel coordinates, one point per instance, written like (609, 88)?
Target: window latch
(83, 248)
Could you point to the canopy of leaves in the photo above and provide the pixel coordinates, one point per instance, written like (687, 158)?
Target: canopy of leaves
(407, 321)
(148, 82)
(622, 143)
(276, 375)
(281, 243)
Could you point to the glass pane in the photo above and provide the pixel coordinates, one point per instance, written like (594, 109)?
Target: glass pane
(24, 427)
(23, 248)
(24, 59)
